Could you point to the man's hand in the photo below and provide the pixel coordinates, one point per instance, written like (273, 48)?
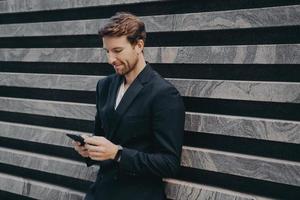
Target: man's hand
(81, 149)
(99, 148)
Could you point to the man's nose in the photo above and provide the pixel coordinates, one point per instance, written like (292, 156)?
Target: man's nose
(111, 58)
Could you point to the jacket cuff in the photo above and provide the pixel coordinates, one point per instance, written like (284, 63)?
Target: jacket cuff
(89, 162)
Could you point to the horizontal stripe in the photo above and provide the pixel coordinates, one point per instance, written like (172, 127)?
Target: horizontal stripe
(219, 89)
(248, 127)
(242, 36)
(242, 165)
(240, 54)
(259, 128)
(177, 189)
(49, 108)
(248, 72)
(246, 185)
(245, 18)
(48, 164)
(36, 189)
(37, 134)
(283, 171)
(54, 142)
(41, 5)
(49, 81)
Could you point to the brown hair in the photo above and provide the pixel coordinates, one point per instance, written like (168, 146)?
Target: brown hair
(123, 23)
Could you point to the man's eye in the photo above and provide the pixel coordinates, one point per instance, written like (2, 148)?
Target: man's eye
(118, 50)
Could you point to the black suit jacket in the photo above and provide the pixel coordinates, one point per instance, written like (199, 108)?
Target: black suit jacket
(149, 124)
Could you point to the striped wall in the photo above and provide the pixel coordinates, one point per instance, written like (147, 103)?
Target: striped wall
(236, 63)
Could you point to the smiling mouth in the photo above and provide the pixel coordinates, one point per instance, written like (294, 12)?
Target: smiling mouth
(117, 66)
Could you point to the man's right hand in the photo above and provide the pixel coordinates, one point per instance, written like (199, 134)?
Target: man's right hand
(81, 148)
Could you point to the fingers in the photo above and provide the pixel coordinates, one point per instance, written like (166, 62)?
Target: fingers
(95, 140)
(93, 148)
(92, 151)
(81, 149)
(98, 156)
(75, 143)
(96, 152)
(96, 147)
(99, 152)
(86, 135)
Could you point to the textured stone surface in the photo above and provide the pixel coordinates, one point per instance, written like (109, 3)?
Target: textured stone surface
(262, 168)
(36, 189)
(49, 108)
(182, 190)
(245, 18)
(238, 164)
(239, 54)
(223, 89)
(241, 90)
(178, 190)
(54, 55)
(38, 134)
(78, 27)
(249, 127)
(48, 164)
(50, 81)
(37, 5)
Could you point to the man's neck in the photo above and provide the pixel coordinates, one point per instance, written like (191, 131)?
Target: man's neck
(129, 78)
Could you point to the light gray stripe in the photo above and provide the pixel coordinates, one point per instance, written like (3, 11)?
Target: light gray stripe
(177, 189)
(39, 134)
(49, 108)
(282, 171)
(50, 81)
(11, 6)
(240, 90)
(248, 127)
(247, 54)
(45, 191)
(223, 89)
(48, 164)
(36, 189)
(245, 18)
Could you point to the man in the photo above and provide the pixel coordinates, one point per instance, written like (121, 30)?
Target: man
(139, 121)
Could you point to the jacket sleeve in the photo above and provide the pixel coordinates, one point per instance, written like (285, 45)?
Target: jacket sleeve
(168, 127)
(98, 130)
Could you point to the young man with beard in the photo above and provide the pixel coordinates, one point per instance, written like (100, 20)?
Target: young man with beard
(139, 122)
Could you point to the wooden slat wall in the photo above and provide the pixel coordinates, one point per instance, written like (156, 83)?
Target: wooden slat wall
(235, 63)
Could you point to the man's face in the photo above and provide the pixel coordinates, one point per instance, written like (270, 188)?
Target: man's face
(122, 55)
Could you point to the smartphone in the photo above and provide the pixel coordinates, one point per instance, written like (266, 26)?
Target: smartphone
(76, 138)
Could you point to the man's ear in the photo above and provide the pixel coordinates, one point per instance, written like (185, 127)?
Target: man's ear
(140, 46)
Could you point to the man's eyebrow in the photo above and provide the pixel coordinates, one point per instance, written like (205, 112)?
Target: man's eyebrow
(116, 48)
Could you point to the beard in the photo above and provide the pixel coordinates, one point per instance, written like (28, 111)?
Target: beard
(126, 67)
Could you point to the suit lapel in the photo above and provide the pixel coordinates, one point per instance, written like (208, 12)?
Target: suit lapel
(112, 115)
(128, 97)
(114, 91)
